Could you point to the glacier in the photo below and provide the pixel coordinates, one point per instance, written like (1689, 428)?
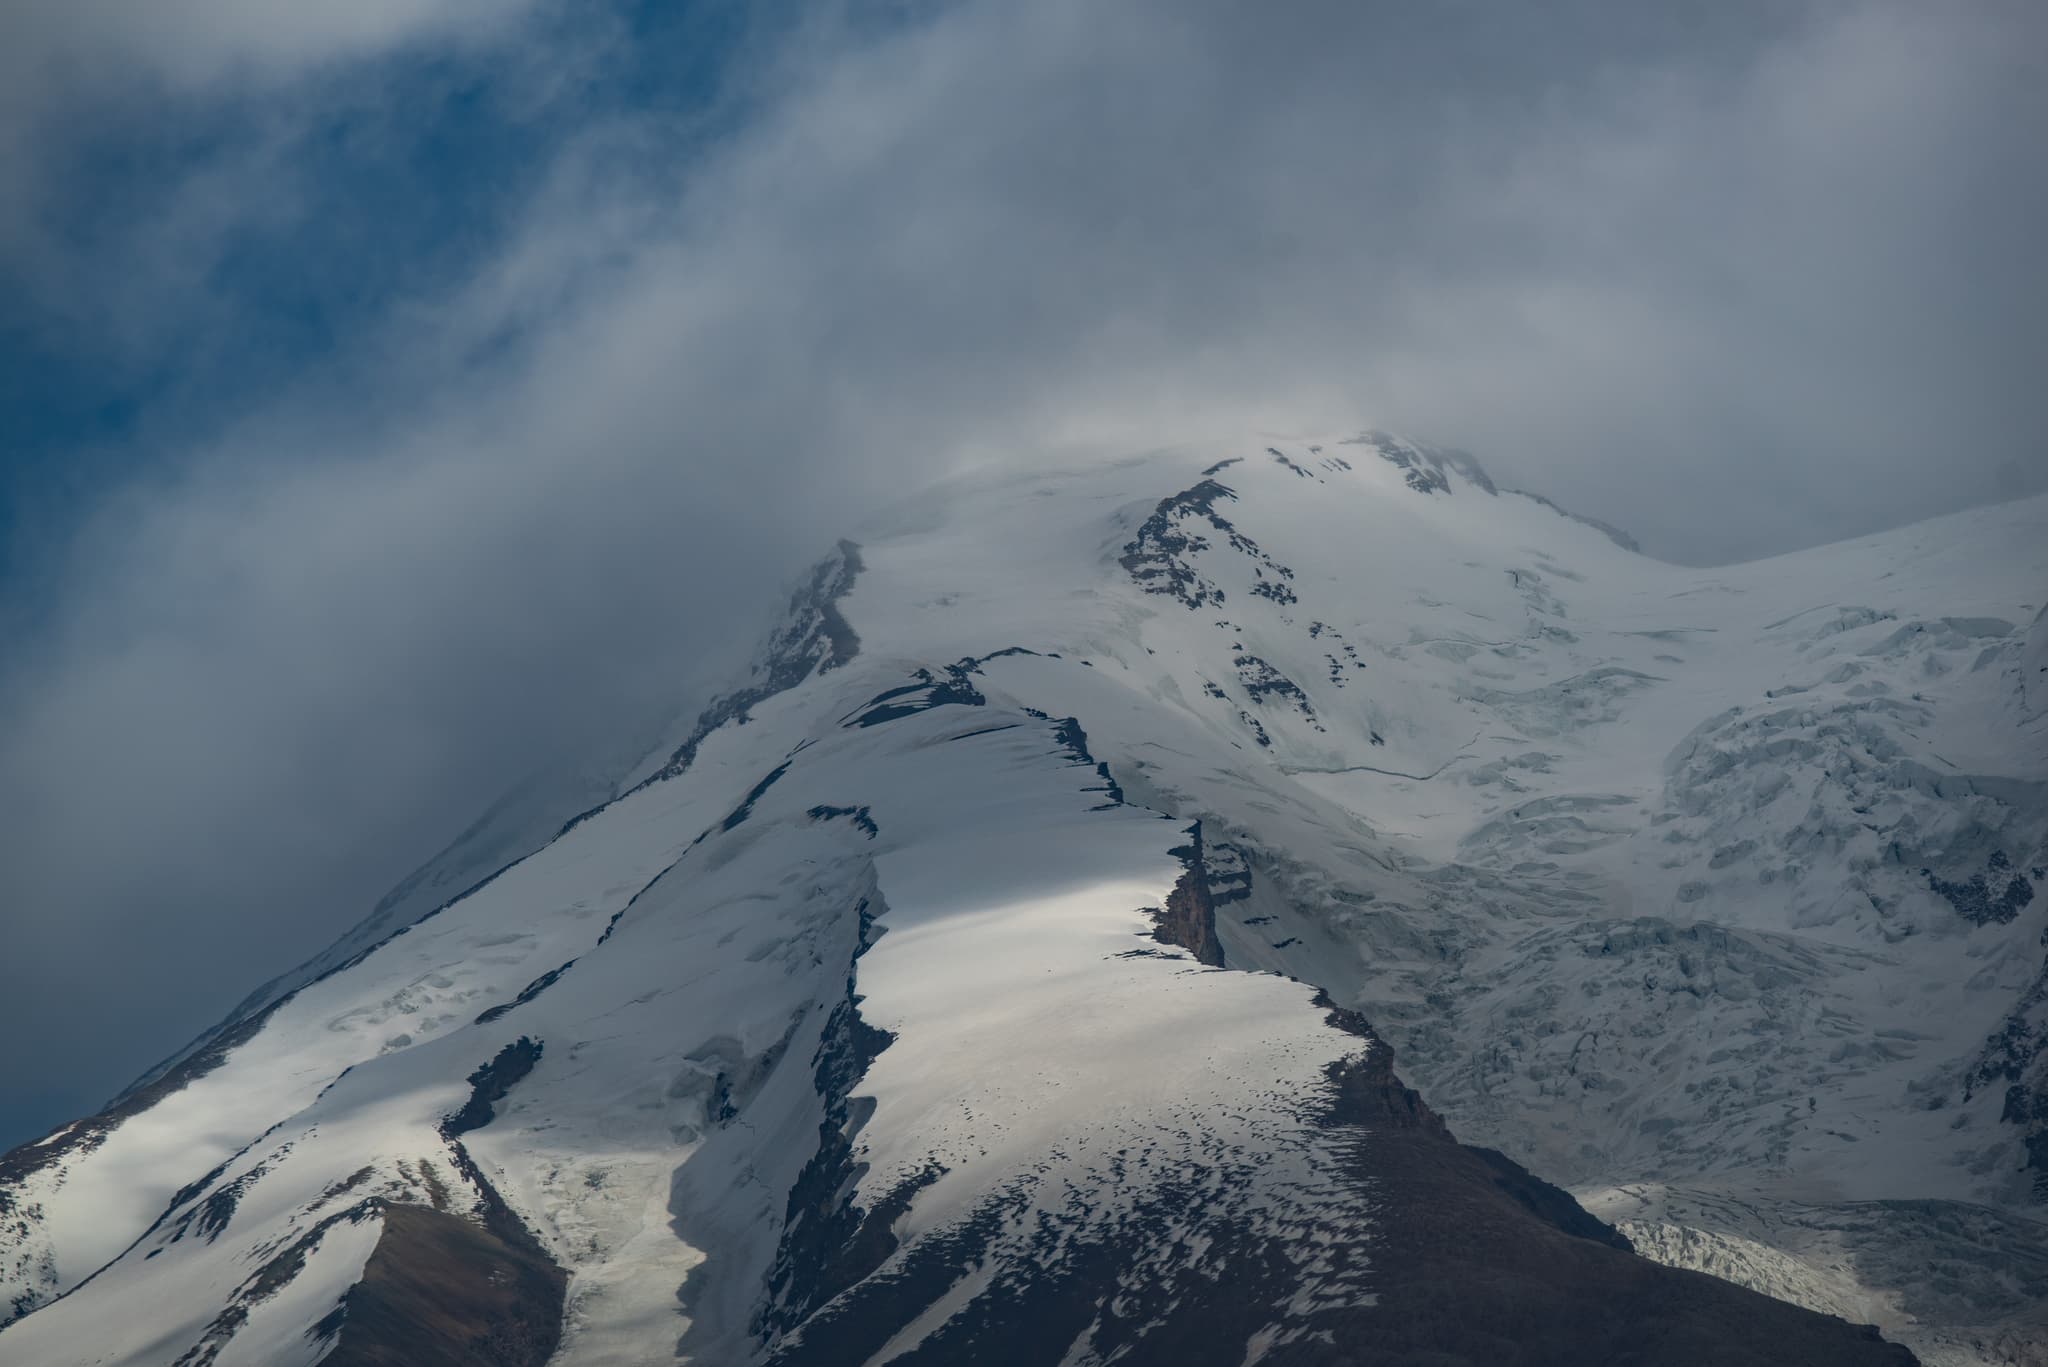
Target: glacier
(1015, 967)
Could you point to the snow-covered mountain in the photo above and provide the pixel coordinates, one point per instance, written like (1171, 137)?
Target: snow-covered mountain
(1014, 969)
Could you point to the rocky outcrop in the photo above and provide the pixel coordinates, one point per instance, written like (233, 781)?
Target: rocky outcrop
(1426, 468)
(1993, 897)
(443, 1291)
(1161, 557)
(814, 637)
(489, 1084)
(1427, 1253)
(2015, 1059)
(1158, 556)
(829, 1241)
(1189, 918)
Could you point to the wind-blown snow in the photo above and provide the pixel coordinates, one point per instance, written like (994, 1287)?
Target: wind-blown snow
(1625, 859)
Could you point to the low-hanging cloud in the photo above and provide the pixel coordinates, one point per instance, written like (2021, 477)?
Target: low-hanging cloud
(1738, 278)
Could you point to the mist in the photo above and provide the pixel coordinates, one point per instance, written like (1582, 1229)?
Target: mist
(416, 489)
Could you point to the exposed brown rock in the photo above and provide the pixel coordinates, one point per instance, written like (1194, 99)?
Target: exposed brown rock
(1190, 916)
(1478, 1261)
(443, 1291)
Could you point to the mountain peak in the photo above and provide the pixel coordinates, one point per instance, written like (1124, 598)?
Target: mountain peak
(1099, 923)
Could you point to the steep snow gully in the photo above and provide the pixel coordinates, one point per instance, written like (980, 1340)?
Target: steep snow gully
(1013, 969)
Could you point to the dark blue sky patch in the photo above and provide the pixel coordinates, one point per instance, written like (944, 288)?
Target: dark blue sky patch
(385, 183)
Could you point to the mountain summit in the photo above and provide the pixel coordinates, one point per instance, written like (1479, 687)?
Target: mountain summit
(1104, 927)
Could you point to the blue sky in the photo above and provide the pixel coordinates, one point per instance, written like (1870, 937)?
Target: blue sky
(392, 178)
(396, 394)
(348, 192)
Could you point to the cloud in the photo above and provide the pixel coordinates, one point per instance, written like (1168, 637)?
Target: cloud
(1737, 278)
(63, 62)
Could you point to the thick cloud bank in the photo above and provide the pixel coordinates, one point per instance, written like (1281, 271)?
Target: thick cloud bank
(1737, 278)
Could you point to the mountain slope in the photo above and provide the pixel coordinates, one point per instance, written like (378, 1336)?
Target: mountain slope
(883, 1021)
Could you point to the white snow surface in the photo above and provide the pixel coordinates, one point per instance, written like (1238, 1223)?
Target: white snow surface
(1625, 860)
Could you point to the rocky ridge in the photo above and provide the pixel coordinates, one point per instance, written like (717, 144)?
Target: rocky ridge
(911, 1008)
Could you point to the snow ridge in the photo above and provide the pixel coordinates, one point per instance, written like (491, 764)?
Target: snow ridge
(907, 1007)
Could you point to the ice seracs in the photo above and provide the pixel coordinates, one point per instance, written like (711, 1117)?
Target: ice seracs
(1013, 958)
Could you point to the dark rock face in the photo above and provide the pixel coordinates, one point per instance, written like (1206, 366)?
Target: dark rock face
(1442, 1255)
(1157, 558)
(489, 1084)
(952, 687)
(828, 1242)
(1398, 1246)
(862, 820)
(1160, 557)
(814, 637)
(1994, 897)
(443, 1291)
(213, 1215)
(1229, 873)
(1256, 727)
(1074, 1289)
(526, 994)
(1074, 741)
(1478, 1262)
(1286, 463)
(1189, 919)
(2028, 1108)
(746, 807)
(2016, 1058)
(1262, 682)
(1425, 467)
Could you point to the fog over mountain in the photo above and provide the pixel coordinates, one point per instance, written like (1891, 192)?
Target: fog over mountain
(402, 400)
(1265, 899)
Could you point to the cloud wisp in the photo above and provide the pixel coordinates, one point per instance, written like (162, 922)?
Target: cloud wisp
(1738, 278)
